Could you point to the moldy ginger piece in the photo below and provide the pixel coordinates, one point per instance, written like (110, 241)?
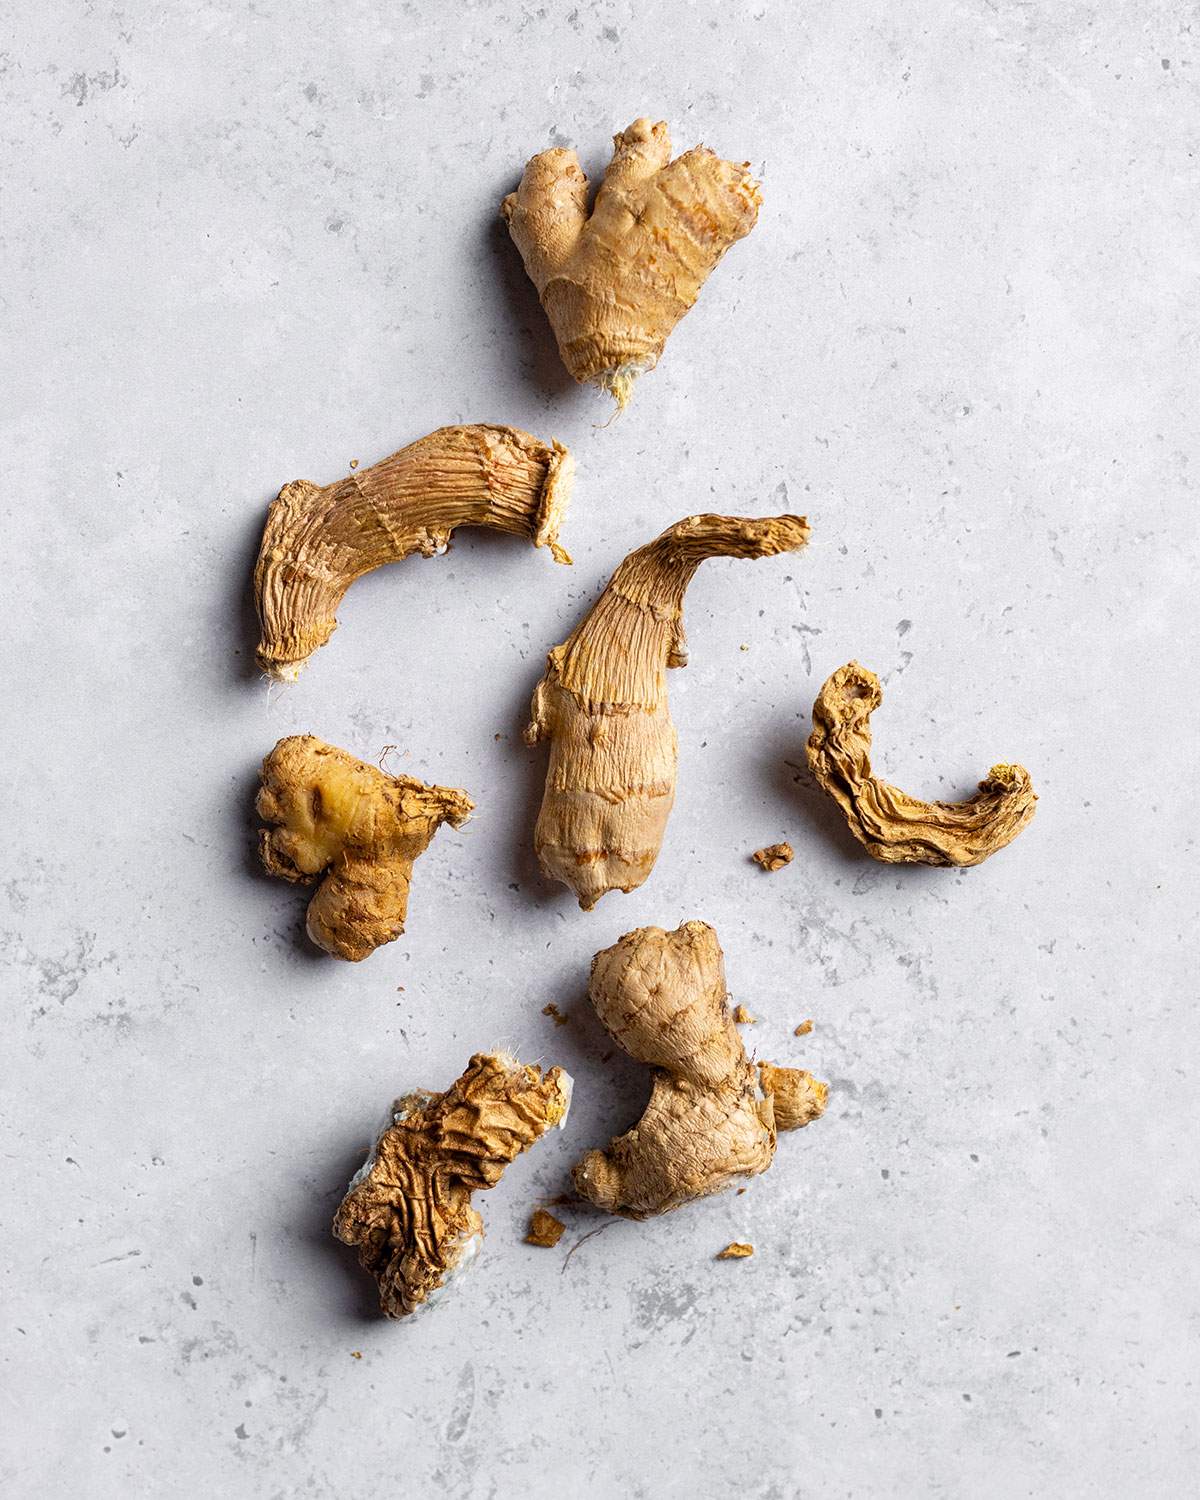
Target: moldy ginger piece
(544, 1229)
(774, 857)
(408, 1210)
(603, 706)
(889, 824)
(328, 814)
(318, 541)
(615, 284)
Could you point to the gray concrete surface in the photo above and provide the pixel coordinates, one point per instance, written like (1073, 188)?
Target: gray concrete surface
(243, 244)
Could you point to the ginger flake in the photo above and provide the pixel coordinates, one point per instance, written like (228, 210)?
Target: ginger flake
(736, 1251)
(544, 1229)
(774, 857)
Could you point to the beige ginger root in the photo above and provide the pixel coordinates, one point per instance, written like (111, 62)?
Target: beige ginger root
(615, 284)
(330, 815)
(713, 1116)
(408, 1210)
(318, 541)
(888, 823)
(603, 706)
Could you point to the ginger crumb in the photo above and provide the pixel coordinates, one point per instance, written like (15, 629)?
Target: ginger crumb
(736, 1251)
(774, 857)
(356, 1354)
(743, 648)
(354, 463)
(743, 1017)
(557, 1015)
(803, 1029)
(544, 1229)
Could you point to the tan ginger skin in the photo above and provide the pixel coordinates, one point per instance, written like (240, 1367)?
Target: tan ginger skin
(615, 284)
(409, 1210)
(603, 706)
(318, 541)
(713, 1115)
(333, 816)
(889, 824)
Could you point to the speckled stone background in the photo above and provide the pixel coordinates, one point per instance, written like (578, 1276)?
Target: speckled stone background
(247, 243)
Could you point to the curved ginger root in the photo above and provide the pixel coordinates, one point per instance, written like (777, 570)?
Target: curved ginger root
(603, 706)
(330, 814)
(888, 823)
(614, 285)
(318, 541)
(712, 1116)
(408, 1209)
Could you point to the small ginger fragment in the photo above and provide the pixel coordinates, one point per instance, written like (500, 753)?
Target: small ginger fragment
(544, 1229)
(799, 1098)
(317, 540)
(803, 1029)
(615, 284)
(603, 707)
(889, 824)
(330, 815)
(774, 857)
(555, 1014)
(408, 1209)
(743, 1017)
(735, 1251)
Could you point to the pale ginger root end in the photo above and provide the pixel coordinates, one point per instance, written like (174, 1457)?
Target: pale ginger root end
(335, 819)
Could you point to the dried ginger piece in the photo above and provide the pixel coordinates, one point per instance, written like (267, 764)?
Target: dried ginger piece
(742, 1016)
(888, 823)
(738, 1250)
(615, 284)
(408, 1209)
(774, 857)
(544, 1229)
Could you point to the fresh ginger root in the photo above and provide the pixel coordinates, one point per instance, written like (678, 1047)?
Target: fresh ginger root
(408, 1210)
(615, 284)
(328, 814)
(713, 1115)
(603, 706)
(889, 824)
(318, 541)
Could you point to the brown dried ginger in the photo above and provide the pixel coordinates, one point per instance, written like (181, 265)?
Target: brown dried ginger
(603, 706)
(615, 284)
(888, 823)
(318, 541)
(409, 1208)
(736, 1251)
(544, 1229)
(774, 857)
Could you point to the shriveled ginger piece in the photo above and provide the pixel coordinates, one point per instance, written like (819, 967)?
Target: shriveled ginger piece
(330, 815)
(318, 541)
(603, 706)
(713, 1115)
(773, 857)
(544, 1229)
(615, 284)
(888, 823)
(408, 1209)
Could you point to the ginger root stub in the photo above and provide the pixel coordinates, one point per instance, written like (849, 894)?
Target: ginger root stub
(615, 284)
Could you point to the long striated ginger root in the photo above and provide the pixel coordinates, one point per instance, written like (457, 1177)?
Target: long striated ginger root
(328, 814)
(318, 541)
(614, 285)
(603, 706)
(409, 1209)
(713, 1116)
(888, 823)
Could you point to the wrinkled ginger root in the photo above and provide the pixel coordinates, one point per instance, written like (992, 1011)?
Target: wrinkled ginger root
(328, 814)
(603, 706)
(614, 285)
(408, 1208)
(318, 541)
(888, 823)
(713, 1116)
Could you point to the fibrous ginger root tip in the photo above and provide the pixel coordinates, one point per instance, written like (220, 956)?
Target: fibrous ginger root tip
(615, 284)
(736, 1251)
(408, 1210)
(544, 1229)
(332, 816)
(712, 1117)
(318, 541)
(773, 857)
(888, 823)
(603, 706)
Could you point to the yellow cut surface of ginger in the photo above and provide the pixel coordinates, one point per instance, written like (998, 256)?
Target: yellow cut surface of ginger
(602, 705)
(889, 824)
(408, 1210)
(615, 283)
(318, 540)
(332, 818)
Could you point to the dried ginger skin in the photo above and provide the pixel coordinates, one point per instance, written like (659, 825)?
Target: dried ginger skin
(409, 1209)
(614, 285)
(889, 824)
(318, 541)
(544, 1229)
(329, 814)
(602, 705)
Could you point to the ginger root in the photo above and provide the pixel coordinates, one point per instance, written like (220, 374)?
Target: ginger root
(888, 823)
(318, 541)
(603, 706)
(328, 814)
(614, 285)
(713, 1116)
(408, 1209)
